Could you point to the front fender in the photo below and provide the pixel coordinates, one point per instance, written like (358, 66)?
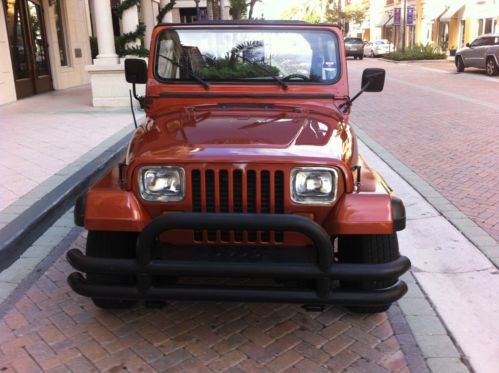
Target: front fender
(107, 207)
(367, 213)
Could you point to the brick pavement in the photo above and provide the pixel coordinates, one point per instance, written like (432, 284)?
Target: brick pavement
(43, 134)
(444, 126)
(51, 328)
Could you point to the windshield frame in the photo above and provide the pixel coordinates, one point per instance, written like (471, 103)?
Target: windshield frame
(247, 82)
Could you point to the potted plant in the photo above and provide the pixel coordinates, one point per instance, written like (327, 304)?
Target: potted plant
(452, 51)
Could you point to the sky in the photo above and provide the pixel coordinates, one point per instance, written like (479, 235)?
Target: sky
(273, 9)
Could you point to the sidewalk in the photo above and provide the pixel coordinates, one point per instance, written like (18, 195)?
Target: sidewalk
(52, 145)
(43, 134)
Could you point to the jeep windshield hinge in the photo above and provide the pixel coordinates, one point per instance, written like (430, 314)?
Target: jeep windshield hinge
(357, 170)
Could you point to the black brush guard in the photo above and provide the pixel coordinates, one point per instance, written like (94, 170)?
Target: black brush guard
(322, 272)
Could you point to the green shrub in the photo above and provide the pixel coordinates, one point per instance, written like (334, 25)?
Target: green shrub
(417, 52)
(238, 70)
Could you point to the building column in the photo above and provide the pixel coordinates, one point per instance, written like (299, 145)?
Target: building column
(418, 24)
(222, 9)
(168, 18)
(105, 35)
(148, 19)
(129, 22)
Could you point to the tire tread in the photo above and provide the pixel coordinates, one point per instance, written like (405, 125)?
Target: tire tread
(107, 244)
(373, 249)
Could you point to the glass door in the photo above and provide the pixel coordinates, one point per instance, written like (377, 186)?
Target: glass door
(39, 49)
(28, 45)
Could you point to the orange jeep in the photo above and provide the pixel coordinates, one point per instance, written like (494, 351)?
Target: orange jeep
(244, 183)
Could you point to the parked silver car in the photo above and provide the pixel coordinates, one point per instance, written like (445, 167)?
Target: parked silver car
(378, 48)
(483, 53)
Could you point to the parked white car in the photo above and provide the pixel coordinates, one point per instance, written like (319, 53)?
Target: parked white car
(483, 53)
(378, 48)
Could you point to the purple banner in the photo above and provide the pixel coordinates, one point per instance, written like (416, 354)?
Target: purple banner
(396, 16)
(410, 16)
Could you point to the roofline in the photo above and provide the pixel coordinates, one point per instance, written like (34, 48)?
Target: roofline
(250, 23)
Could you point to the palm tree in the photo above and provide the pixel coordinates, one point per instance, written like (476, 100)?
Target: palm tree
(238, 9)
(251, 6)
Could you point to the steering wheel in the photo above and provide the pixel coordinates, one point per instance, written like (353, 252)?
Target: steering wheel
(294, 76)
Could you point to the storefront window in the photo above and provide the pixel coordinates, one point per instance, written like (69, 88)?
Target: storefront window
(61, 35)
(488, 26)
(462, 33)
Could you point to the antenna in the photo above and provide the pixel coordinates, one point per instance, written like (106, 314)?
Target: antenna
(131, 107)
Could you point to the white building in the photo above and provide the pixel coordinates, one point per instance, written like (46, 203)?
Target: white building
(45, 44)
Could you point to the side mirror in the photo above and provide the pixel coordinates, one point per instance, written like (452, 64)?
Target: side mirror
(468, 45)
(135, 71)
(373, 80)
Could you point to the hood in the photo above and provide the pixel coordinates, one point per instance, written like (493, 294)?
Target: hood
(242, 133)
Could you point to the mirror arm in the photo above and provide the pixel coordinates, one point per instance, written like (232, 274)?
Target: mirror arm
(362, 90)
(140, 99)
(348, 104)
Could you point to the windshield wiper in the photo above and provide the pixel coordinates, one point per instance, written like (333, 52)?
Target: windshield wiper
(204, 83)
(267, 70)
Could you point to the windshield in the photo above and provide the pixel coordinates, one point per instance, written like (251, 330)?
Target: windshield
(247, 55)
(353, 41)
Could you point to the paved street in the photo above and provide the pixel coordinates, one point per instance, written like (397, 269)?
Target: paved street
(44, 325)
(442, 125)
(49, 327)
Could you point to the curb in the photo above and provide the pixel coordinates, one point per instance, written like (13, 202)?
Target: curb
(40, 208)
(440, 350)
(472, 231)
(441, 60)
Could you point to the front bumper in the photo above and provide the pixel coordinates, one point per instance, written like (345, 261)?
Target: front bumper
(322, 270)
(350, 53)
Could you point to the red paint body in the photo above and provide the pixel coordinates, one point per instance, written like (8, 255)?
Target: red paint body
(199, 134)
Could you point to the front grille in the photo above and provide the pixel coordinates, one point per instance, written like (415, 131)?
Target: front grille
(238, 191)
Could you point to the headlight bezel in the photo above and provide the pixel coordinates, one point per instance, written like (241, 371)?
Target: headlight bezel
(157, 197)
(313, 200)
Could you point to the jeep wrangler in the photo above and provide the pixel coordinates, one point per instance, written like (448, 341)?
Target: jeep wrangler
(244, 182)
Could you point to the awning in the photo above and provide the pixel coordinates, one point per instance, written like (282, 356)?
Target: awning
(433, 11)
(387, 20)
(455, 7)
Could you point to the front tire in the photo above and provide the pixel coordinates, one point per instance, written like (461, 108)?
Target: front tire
(106, 244)
(491, 67)
(368, 249)
(459, 64)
